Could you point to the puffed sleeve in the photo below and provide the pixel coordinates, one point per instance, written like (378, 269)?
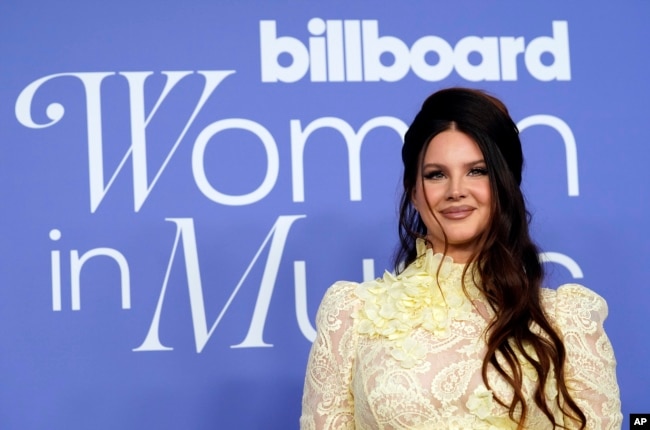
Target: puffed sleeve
(327, 401)
(591, 366)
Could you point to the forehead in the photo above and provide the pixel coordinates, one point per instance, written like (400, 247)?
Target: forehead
(452, 146)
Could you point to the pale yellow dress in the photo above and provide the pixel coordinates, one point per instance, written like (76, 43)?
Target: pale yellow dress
(406, 352)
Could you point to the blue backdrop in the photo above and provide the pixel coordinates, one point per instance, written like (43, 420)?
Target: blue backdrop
(181, 181)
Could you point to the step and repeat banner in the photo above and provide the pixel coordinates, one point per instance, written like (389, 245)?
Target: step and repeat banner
(182, 181)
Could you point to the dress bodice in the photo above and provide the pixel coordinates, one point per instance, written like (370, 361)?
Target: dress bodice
(406, 352)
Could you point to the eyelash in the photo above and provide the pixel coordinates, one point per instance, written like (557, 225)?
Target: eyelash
(478, 171)
(434, 174)
(438, 174)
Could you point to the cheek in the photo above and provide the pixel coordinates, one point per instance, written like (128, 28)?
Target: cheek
(483, 193)
(487, 197)
(428, 198)
(418, 198)
(486, 202)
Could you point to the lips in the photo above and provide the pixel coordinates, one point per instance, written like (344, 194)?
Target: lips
(457, 212)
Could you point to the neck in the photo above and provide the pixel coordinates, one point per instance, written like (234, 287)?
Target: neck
(459, 254)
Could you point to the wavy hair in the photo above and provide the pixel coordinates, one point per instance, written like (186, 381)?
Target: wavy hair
(507, 259)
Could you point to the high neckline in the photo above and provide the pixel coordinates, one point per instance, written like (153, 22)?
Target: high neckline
(432, 262)
(429, 294)
(444, 271)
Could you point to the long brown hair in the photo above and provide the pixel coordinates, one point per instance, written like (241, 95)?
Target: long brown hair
(507, 262)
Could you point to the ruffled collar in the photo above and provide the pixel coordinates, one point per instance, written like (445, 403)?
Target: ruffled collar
(428, 294)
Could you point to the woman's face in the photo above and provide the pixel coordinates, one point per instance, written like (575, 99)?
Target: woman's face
(452, 193)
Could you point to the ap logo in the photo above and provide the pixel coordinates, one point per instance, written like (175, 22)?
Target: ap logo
(639, 421)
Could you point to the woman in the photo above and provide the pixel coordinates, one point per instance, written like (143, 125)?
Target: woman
(464, 337)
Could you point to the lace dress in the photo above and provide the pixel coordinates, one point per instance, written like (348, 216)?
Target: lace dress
(406, 352)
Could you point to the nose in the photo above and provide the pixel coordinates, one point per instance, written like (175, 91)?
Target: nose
(456, 189)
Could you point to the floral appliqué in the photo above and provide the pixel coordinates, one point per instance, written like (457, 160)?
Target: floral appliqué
(428, 294)
(481, 404)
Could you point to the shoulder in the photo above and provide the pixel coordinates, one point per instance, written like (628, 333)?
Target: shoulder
(574, 304)
(339, 301)
(341, 293)
(570, 297)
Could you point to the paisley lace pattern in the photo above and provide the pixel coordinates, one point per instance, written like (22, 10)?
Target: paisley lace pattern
(405, 352)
